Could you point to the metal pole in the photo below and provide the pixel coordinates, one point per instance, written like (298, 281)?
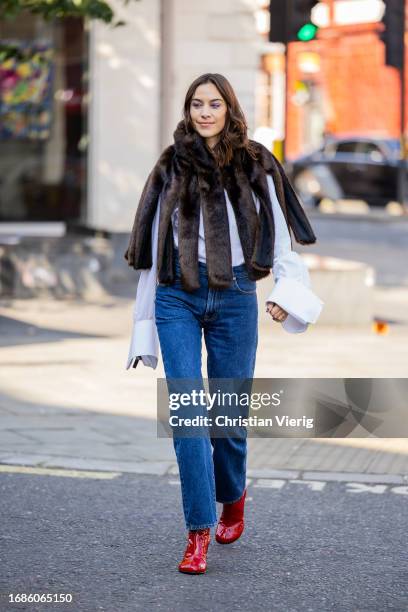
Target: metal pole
(284, 148)
(402, 166)
(288, 13)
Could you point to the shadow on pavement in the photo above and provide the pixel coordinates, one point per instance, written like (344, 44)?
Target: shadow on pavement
(14, 332)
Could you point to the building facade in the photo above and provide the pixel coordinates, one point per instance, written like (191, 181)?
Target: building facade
(139, 77)
(86, 110)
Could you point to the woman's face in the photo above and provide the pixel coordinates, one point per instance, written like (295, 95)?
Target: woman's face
(208, 111)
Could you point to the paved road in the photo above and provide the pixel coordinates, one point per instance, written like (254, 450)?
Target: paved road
(308, 547)
(115, 544)
(382, 244)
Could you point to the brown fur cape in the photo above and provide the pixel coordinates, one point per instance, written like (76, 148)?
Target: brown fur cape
(186, 175)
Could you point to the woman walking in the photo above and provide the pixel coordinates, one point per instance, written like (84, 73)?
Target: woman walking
(214, 218)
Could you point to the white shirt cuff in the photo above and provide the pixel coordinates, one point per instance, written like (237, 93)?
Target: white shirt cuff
(302, 305)
(144, 343)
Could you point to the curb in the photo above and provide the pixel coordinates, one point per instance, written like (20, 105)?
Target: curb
(162, 468)
(371, 217)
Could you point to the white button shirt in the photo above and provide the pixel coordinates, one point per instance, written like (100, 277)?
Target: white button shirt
(291, 291)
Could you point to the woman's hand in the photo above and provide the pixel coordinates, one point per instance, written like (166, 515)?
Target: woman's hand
(277, 313)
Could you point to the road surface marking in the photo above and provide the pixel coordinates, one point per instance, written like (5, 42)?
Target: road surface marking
(22, 469)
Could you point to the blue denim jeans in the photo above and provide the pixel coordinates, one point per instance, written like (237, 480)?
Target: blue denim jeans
(211, 469)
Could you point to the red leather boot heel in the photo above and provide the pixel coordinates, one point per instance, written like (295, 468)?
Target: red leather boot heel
(231, 523)
(195, 556)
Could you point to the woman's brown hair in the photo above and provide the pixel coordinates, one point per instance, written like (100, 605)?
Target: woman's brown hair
(234, 134)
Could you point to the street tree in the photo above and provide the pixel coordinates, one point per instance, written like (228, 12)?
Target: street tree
(50, 9)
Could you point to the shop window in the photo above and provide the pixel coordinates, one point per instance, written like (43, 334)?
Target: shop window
(43, 120)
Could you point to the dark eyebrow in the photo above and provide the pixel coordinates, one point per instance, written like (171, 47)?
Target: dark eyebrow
(213, 100)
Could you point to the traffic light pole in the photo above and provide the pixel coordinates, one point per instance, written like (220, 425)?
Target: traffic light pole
(286, 105)
(402, 166)
(288, 22)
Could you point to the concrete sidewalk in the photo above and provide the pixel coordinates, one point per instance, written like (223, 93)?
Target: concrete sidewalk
(67, 401)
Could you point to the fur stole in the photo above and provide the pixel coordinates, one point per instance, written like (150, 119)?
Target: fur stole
(186, 175)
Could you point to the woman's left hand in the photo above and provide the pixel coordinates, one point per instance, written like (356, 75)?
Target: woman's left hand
(277, 313)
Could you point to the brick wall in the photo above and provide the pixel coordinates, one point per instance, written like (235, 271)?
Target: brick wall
(361, 95)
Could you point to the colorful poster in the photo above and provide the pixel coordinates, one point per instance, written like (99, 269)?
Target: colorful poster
(26, 85)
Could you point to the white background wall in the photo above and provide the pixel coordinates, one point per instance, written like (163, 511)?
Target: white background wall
(124, 113)
(211, 36)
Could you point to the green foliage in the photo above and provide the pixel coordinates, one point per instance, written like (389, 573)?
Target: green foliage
(50, 9)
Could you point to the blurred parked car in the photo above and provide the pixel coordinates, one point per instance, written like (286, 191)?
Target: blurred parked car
(348, 168)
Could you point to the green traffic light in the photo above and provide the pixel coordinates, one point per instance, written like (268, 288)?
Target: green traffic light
(307, 32)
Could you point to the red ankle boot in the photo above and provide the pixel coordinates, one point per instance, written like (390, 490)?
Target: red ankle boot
(231, 523)
(195, 556)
